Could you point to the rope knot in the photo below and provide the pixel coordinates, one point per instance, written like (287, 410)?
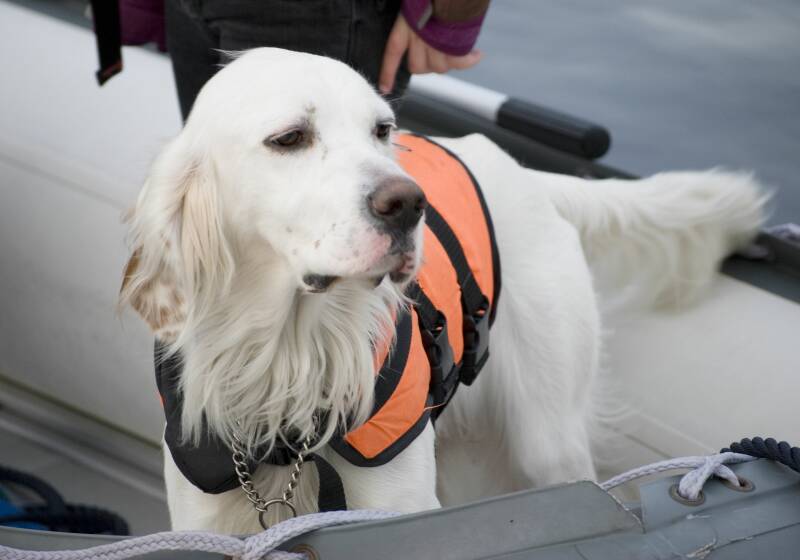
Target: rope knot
(714, 465)
(703, 467)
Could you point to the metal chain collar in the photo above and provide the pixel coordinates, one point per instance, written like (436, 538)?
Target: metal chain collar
(261, 505)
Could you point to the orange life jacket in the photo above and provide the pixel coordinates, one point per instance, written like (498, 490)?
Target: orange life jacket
(441, 342)
(444, 340)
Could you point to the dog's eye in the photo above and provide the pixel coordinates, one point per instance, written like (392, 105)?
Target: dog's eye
(288, 139)
(383, 130)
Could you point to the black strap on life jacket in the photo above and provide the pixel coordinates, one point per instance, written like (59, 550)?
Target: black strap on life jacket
(209, 465)
(474, 304)
(446, 375)
(478, 315)
(444, 370)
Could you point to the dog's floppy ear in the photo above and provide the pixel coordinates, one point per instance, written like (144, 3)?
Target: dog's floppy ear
(180, 255)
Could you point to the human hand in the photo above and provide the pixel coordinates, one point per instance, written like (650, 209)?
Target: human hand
(422, 58)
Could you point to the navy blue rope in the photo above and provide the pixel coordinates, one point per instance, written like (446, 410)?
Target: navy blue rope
(768, 448)
(55, 513)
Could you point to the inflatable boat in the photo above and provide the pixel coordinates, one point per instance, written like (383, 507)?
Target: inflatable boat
(78, 405)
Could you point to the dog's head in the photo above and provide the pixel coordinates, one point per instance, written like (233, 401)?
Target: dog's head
(290, 156)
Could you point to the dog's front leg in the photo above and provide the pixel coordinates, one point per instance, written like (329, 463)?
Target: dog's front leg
(406, 484)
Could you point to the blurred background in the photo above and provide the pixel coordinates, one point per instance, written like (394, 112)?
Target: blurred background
(684, 84)
(679, 84)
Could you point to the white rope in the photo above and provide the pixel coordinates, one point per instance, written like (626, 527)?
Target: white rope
(255, 547)
(703, 467)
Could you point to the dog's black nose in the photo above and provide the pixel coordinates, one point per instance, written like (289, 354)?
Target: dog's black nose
(397, 203)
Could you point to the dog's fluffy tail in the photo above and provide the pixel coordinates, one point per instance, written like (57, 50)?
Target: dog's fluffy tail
(659, 240)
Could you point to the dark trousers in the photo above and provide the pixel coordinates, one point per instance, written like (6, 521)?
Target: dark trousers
(353, 31)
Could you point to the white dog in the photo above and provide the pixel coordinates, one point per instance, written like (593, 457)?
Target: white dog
(263, 193)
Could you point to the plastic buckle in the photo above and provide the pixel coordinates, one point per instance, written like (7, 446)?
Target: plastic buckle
(440, 356)
(476, 344)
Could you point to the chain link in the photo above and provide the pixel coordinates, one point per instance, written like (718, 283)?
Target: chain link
(294, 477)
(261, 505)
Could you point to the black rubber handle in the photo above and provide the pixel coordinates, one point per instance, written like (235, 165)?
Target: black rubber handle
(551, 128)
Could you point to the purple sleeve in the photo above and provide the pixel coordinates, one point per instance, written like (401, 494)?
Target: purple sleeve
(142, 21)
(450, 37)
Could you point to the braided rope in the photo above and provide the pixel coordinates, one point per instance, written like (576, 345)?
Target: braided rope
(255, 547)
(693, 481)
(769, 448)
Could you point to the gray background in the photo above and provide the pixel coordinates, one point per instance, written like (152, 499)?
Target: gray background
(679, 83)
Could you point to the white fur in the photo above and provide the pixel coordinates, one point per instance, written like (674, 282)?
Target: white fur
(226, 228)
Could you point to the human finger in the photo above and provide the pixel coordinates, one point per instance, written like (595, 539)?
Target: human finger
(396, 46)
